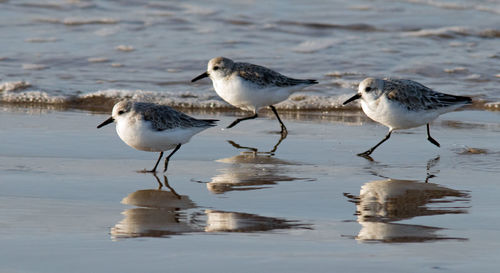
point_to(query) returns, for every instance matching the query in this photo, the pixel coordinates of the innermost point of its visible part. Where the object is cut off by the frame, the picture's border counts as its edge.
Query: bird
(403, 104)
(251, 87)
(154, 128)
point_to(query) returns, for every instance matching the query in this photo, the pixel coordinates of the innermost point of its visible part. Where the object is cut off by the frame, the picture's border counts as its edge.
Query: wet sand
(71, 201)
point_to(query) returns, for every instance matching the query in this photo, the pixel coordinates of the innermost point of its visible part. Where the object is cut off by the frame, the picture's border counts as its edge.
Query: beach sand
(72, 201)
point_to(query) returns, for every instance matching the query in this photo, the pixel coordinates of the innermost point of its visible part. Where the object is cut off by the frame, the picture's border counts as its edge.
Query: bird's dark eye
(368, 89)
(216, 67)
(121, 112)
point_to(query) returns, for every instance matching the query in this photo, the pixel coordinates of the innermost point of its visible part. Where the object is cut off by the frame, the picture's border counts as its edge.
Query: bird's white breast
(140, 135)
(395, 116)
(248, 96)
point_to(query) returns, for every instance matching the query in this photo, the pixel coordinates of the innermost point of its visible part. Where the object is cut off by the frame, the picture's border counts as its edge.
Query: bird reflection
(161, 213)
(250, 170)
(398, 233)
(382, 202)
(167, 185)
(394, 200)
(221, 221)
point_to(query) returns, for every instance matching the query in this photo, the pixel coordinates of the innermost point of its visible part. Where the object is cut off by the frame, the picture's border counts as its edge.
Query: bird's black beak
(204, 75)
(106, 122)
(355, 97)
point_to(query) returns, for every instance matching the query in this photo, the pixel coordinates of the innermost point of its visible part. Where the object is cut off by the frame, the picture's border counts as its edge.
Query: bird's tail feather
(211, 121)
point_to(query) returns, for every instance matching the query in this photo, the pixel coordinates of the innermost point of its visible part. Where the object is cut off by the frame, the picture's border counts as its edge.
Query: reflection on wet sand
(221, 221)
(398, 233)
(251, 177)
(382, 202)
(251, 170)
(160, 214)
(163, 213)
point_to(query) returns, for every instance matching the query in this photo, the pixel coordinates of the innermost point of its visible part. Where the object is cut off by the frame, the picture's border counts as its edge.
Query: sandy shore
(71, 201)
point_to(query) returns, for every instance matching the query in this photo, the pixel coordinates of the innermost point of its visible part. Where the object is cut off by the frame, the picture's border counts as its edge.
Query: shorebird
(251, 87)
(403, 104)
(154, 128)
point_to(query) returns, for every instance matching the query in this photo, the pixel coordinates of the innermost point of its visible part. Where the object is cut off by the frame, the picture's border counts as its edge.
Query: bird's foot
(147, 171)
(366, 155)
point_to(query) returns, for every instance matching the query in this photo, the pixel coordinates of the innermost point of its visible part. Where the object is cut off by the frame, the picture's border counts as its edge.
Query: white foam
(98, 60)
(454, 32)
(88, 21)
(458, 69)
(305, 102)
(32, 97)
(442, 4)
(34, 66)
(75, 21)
(312, 46)
(493, 8)
(461, 44)
(125, 48)
(107, 31)
(361, 7)
(41, 40)
(12, 86)
(492, 105)
(473, 77)
(346, 84)
(10, 92)
(177, 99)
(340, 74)
(490, 9)
(198, 10)
(444, 32)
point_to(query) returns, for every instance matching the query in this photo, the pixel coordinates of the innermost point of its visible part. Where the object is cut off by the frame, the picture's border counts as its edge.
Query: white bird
(251, 87)
(154, 128)
(403, 104)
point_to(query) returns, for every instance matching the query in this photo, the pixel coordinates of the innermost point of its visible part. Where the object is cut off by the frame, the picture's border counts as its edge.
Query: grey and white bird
(154, 128)
(402, 104)
(251, 87)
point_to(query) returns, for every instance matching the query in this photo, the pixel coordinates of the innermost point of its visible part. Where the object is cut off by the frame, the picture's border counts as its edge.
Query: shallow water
(81, 53)
(71, 200)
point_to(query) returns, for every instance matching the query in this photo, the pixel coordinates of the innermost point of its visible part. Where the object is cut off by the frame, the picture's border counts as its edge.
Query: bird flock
(395, 103)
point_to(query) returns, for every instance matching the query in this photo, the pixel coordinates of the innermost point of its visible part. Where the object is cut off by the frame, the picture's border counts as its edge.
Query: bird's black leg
(170, 155)
(430, 139)
(367, 153)
(156, 165)
(239, 120)
(284, 131)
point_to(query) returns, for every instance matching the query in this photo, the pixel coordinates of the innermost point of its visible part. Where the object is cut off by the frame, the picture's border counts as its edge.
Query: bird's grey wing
(163, 118)
(416, 96)
(263, 76)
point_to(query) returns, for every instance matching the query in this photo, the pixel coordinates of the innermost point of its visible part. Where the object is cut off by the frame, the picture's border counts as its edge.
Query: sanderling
(154, 128)
(403, 104)
(251, 87)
